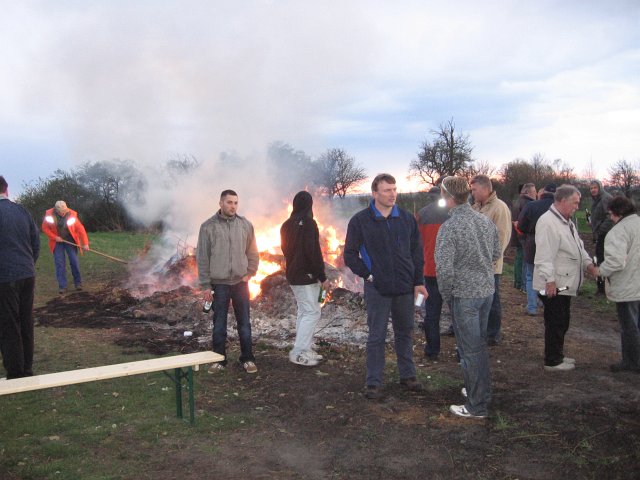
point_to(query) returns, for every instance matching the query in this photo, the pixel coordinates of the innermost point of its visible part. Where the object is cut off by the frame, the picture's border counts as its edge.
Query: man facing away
(383, 247)
(527, 194)
(467, 246)
(19, 250)
(300, 242)
(430, 218)
(488, 204)
(622, 268)
(227, 257)
(66, 236)
(559, 264)
(600, 224)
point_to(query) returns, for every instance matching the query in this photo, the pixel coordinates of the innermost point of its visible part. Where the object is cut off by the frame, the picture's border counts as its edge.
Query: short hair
(3, 185)
(456, 188)
(565, 191)
(382, 177)
(621, 206)
(482, 180)
(527, 186)
(227, 192)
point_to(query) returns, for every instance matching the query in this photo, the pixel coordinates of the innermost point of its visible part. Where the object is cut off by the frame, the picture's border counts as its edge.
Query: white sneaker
(461, 411)
(569, 360)
(313, 354)
(216, 368)
(561, 367)
(303, 359)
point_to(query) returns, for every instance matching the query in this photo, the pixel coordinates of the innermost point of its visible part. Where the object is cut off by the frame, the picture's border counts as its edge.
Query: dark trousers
(629, 318)
(518, 269)
(16, 327)
(432, 313)
(557, 314)
(238, 296)
(495, 314)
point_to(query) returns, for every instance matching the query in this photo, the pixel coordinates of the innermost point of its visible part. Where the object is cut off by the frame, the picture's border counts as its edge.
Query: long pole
(99, 253)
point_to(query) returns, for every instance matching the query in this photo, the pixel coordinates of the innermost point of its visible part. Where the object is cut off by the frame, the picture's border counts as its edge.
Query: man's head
(566, 200)
(529, 189)
(595, 187)
(61, 208)
(455, 190)
(4, 186)
(481, 188)
(384, 190)
(619, 207)
(228, 203)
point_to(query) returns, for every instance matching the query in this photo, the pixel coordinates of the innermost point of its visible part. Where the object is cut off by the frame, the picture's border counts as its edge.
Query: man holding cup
(383, 246)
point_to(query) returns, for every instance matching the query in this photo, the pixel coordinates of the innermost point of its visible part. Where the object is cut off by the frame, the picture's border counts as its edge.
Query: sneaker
(314, 355)
(373, 392)
(464, 392)
(250, 367)
(62, 291)
(461, 411)
(216, 368)
(569, 360)
(79, 288)
(412, 384)
(532, 314)
(561, 367)
(303, 359)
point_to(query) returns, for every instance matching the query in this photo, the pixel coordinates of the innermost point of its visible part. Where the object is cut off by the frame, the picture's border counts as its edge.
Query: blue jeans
(61, 264)
(532, 295)
(402, 310)
(238, 295)
(470, 317)
(629, 318)
(432, 312)
(495, 314)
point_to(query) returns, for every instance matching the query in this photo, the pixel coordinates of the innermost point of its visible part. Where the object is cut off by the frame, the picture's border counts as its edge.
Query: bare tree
(338, 173)
(481, 167)
(448, 153)
(624, 175)
(181, 164)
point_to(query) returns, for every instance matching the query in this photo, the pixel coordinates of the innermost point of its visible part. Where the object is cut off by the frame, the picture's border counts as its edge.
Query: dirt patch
(315, 423)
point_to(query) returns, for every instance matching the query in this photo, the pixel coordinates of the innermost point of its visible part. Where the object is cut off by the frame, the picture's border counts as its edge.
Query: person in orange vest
(61, 225)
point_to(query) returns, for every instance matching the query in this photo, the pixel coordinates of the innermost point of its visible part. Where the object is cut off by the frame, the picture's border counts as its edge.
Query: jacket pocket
(566, 271)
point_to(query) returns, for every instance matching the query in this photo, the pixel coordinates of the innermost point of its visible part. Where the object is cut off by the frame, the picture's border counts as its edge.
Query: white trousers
(308, 315)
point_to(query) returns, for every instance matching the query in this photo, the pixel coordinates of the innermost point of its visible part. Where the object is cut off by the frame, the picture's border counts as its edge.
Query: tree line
(100, 191)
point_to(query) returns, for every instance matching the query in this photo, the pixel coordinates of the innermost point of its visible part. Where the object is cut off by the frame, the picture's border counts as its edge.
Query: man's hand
(58, 239)
(206, 295)
(326, 284)
(593, 271)
(86, 247)
(246, 278)
(420, 289)
(550, 289)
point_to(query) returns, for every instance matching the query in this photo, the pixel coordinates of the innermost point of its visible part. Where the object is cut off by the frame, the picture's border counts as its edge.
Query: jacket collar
(395, 212)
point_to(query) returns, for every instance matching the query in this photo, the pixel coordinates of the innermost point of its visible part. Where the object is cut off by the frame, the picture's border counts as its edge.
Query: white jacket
(622, 260)
(560, 254)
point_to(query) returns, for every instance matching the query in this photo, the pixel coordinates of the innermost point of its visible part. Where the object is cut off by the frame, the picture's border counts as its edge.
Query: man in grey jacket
(622, 267)
(467, 247)
(227, 257)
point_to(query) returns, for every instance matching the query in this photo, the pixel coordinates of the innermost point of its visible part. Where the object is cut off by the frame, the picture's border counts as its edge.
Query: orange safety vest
(76, 229)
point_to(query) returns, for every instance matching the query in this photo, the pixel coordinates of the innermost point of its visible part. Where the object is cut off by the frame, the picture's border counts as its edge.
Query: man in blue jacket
(19, 250)
(383, 246)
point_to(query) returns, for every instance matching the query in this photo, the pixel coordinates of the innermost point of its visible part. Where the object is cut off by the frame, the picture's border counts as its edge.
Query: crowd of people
(451, 253)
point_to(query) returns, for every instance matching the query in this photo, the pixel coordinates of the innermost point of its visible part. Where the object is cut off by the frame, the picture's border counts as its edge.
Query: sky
(146, 80)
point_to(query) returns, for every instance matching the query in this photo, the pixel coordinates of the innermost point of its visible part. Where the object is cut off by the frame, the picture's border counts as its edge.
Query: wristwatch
(369, 278)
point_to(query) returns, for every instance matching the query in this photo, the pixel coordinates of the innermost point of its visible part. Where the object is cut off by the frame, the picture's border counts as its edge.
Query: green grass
(95, 269)
(107, 429)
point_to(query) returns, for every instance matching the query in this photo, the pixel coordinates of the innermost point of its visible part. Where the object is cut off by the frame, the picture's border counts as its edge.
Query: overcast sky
(143, 80)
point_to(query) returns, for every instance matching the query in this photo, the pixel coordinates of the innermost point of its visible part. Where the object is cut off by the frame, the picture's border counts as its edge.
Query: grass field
(107, 429)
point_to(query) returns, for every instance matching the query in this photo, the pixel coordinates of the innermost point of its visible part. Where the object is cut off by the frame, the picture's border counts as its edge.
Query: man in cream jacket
(560, 263)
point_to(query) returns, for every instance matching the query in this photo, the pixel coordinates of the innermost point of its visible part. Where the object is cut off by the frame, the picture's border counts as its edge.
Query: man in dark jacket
(527, 220)
(300, 242)
(600, 223)
(383, 247)
(19, 250)
(430, 218)
(527, 194)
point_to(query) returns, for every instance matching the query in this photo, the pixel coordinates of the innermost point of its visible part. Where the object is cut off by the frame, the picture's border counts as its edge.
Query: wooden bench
(182, 366)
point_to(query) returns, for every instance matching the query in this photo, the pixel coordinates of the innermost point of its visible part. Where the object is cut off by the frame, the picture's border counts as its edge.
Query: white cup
(188, 333)
(419, 300)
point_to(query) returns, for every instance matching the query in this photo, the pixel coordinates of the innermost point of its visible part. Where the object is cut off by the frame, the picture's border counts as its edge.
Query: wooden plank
(50, 380)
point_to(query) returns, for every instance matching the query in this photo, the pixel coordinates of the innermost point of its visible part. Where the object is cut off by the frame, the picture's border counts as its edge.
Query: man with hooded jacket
(600, 223)
(300, 242)
(66, 236)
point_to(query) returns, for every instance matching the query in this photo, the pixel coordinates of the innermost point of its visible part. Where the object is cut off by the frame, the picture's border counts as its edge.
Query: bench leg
(178, 381)
(179, 375)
